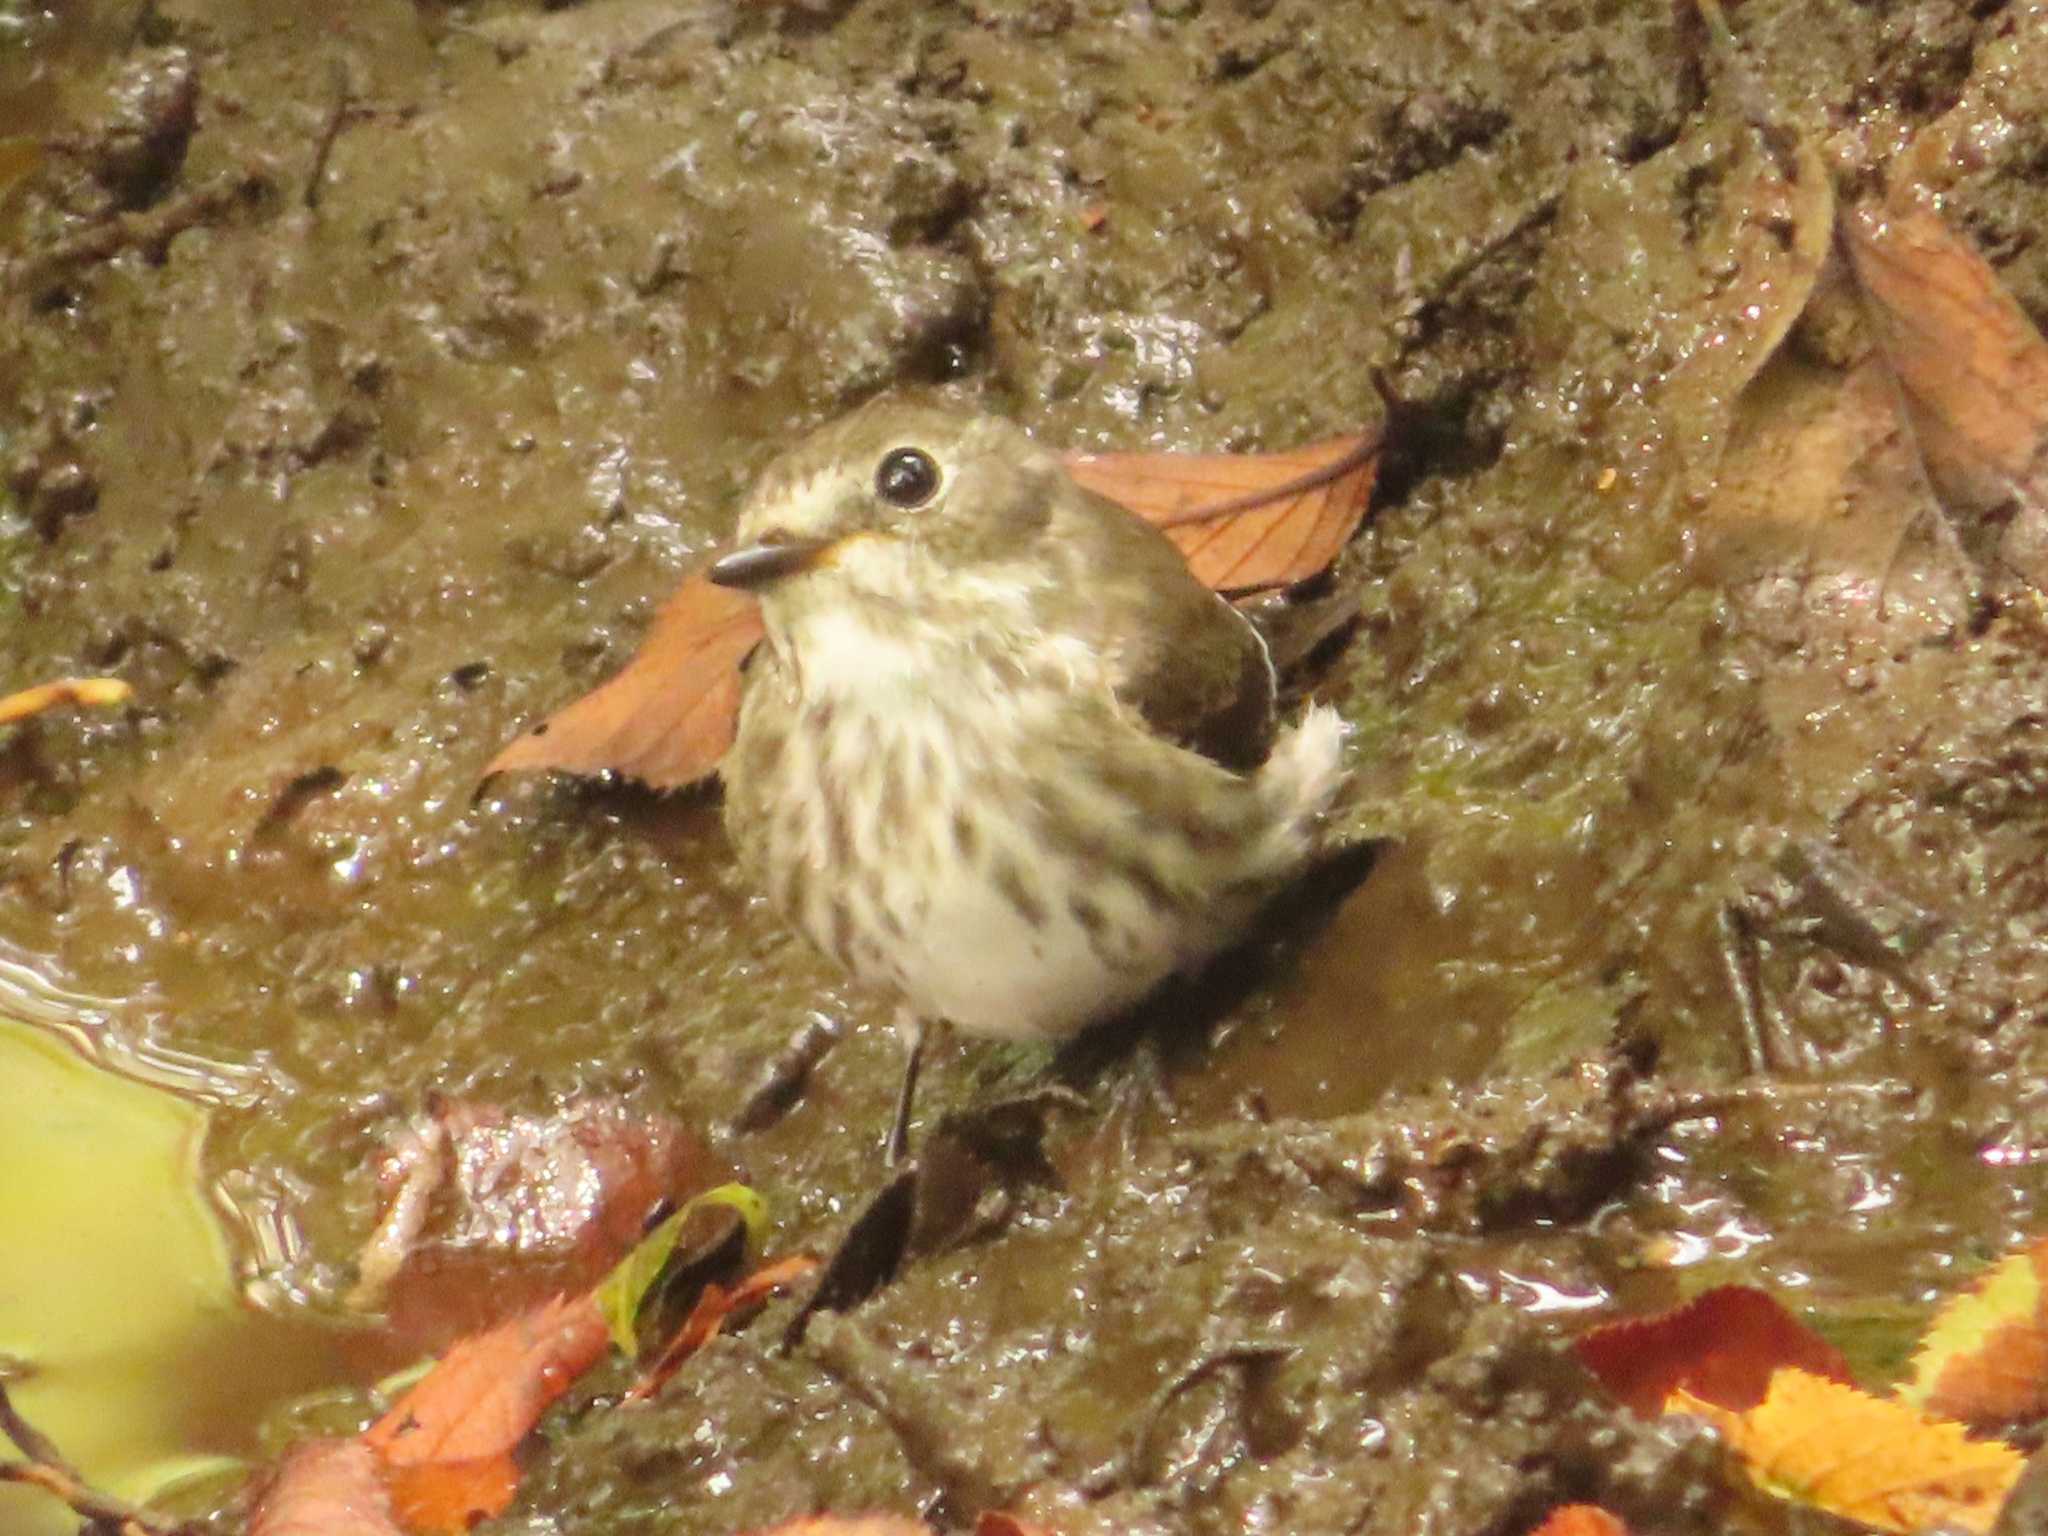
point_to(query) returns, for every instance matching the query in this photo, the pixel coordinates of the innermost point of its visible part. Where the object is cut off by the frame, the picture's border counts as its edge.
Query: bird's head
(884, 505)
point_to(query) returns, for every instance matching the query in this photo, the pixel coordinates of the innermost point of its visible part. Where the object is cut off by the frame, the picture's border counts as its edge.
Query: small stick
(47, 1469)
(338, 119)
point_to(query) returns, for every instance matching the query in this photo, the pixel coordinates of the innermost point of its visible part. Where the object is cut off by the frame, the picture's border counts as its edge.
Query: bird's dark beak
(761, 565)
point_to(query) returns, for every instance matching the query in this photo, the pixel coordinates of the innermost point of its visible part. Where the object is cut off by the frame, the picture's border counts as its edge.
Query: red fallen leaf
(326, 1488)
(1722, 1347)
(489, 1212)
(668, 715)
(447, 1444)
(1579, 1520)
(713, 1307)
(1244, 522)
(1973, 371)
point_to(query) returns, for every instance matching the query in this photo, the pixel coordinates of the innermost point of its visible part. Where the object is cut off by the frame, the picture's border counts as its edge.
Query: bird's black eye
(907, 477)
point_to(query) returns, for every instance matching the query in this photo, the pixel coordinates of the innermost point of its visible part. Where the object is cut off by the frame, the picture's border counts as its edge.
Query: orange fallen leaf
(1984, 1358)
(82, 691)
(447, 1444)
(1244, 522)
(1973, 371)
(446, 1498)
(668, 715)
(1581, 1520)
(714, 1305)
(326, 1488)
(1830, 1446)
(1722, 1347)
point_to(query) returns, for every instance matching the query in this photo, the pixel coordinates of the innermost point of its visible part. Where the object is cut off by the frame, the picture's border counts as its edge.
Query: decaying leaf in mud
(486, 1212)
(1821, 520)
(1722, 1347)
(1972, 370)
(1245, 522)
(1871, 1459)
(326, 1488)
(447, 1444)
(90, 692)
(1984, 1358)
(1766, 234)
(1581, 1520)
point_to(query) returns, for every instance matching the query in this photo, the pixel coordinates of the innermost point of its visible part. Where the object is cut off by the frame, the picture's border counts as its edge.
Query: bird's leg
(913, 1030)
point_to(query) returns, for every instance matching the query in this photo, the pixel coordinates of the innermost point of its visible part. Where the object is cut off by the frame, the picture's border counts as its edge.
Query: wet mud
(370, 377)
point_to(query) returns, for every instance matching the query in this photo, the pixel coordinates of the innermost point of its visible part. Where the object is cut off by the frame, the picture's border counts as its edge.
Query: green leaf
(752, 1208)
(622, 1293)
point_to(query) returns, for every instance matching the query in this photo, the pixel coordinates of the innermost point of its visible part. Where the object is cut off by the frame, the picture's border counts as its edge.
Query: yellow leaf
(1871, 1459)
(1984, 1358)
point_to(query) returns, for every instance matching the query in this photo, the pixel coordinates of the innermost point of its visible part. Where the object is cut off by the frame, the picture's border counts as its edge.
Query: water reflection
(119, 1316)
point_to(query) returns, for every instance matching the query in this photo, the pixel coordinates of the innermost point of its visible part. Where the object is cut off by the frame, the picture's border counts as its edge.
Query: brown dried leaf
(1973, 371)
(1822, 522)
(1245, 521)
(667, 717)
(326, 1488)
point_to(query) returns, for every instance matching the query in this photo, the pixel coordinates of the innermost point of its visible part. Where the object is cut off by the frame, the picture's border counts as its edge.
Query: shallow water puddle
(119, 1323)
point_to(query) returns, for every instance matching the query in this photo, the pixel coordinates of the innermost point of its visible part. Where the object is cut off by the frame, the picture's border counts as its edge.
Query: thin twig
(88, 1503)
(338, 118)
(47, 1469)
(29, 1440)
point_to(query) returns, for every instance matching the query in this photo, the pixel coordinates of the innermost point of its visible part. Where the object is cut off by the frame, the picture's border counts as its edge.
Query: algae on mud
(351, 491)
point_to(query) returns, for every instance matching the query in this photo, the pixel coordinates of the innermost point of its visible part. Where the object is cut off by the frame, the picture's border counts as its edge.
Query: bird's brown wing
(1190, 664)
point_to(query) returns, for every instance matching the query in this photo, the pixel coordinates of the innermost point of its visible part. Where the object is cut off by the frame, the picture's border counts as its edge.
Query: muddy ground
(371, 373)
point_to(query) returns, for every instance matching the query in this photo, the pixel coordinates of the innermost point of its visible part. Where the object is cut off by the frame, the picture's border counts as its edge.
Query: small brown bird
(1001, 752)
